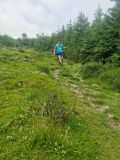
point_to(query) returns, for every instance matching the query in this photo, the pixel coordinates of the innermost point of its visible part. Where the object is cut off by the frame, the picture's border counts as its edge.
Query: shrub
(112, 77)
(56, 109)
(114, 60)
(107, 73)
(91, 69)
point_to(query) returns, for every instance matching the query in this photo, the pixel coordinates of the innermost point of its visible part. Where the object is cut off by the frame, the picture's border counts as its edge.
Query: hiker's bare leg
(60, 59)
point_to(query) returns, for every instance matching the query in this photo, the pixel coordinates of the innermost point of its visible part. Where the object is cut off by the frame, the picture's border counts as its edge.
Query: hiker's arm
(64, 47)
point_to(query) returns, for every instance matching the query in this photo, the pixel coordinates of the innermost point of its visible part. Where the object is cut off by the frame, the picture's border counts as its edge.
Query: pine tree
(81, 31)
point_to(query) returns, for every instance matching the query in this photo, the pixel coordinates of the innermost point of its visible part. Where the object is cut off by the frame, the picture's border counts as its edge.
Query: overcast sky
(37, 16)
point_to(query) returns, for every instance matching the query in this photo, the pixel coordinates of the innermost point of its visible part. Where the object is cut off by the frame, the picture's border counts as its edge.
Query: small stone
(27, 60)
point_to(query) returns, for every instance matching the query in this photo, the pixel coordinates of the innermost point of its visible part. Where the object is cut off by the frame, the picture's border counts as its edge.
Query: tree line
(86, 41)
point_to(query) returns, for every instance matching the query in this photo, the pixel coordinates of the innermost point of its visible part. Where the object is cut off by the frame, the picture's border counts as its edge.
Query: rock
(17, 58)
(44, 74)
(73, 85)
(20, 84)
(110, 116)
(27, 60)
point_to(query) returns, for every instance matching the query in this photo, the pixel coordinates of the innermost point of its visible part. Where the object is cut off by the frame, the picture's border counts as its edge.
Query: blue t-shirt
(59, 49)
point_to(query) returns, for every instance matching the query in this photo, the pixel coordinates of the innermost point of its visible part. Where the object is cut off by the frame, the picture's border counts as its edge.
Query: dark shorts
(60, 53)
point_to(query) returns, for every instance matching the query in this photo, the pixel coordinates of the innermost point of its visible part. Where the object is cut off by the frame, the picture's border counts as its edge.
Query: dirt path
(91, 101)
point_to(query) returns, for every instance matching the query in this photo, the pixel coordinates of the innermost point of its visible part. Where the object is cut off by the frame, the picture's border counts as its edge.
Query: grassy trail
(48, 112)
(97, 96)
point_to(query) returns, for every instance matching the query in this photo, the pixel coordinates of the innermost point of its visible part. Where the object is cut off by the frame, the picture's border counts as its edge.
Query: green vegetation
(96, 42)
(107, 73)
(49, 112)
(62, 112)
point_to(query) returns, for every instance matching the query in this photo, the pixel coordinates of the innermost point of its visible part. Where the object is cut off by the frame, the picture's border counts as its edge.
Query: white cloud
(36, 16)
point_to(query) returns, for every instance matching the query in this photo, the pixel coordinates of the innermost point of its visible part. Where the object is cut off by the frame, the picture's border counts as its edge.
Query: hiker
(58, 50)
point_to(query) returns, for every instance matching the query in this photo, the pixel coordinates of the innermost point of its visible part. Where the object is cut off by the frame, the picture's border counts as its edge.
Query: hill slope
(49, 112)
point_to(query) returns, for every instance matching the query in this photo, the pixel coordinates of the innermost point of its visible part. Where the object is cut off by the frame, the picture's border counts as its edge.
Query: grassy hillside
(48, 112)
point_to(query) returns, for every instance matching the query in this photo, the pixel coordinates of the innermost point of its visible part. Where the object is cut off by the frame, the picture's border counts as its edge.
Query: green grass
(41, 117)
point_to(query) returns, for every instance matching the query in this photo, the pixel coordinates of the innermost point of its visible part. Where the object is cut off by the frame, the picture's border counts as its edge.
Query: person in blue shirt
(58, 50)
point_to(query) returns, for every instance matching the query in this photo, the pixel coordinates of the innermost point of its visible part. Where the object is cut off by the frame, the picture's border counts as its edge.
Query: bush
(114, 60)
(56, 109)
(73, 55)
(91, 69)
(112, 77)
(107, 73)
